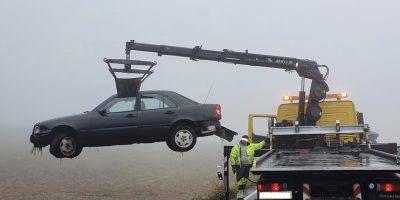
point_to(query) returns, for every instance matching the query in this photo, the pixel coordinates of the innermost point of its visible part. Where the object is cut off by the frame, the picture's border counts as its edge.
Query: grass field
(140, 171)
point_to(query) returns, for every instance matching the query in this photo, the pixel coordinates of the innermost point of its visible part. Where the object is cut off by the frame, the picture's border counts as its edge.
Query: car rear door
(156, 114)
(116, 123)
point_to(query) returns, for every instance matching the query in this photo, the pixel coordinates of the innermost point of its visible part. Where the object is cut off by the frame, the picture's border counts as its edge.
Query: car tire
(169, 144)
(65, 145)
(182, 139)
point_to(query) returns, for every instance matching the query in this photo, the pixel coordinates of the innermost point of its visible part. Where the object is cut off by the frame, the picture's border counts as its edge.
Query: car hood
(66, 120)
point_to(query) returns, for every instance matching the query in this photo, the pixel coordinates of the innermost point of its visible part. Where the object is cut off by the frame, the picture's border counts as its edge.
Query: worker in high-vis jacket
(241, 159)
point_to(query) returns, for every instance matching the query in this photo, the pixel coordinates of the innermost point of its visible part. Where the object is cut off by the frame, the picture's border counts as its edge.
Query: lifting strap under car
(129, 87)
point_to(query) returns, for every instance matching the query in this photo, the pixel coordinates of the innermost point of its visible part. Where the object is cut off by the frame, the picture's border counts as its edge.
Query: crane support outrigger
(305, 69)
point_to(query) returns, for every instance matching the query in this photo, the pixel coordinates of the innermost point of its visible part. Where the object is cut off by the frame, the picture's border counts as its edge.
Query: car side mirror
(103, 112)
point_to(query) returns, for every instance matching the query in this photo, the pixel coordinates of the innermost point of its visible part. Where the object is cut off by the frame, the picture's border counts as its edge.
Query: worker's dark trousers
(242, 174)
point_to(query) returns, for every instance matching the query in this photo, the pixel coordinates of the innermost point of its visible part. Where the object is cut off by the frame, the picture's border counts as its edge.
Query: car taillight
(388, 187)
(271, 187)
(218, 111)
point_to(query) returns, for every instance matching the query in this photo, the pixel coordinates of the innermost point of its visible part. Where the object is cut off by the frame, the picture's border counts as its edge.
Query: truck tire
(65, 145)
(182, 139)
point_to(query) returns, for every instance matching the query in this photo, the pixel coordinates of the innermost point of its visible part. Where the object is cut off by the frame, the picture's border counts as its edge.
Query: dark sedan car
(152, 116)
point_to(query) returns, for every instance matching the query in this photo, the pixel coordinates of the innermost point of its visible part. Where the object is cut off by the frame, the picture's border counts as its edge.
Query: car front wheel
(182, 139)
(65, 146)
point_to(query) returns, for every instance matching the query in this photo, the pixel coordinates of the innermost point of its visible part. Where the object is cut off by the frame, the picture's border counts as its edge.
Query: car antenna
(209, 90)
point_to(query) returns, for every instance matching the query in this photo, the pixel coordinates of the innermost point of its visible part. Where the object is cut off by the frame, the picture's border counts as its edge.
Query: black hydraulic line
(302, 103)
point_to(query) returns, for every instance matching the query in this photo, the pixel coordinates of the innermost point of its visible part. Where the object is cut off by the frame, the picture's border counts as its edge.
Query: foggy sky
(51, 54)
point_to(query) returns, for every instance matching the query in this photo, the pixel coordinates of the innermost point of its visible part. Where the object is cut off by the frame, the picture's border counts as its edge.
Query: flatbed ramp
(250, 194)
(319, 160)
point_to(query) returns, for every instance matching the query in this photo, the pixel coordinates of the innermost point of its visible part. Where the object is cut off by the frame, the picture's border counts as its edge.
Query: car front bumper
(40, 140)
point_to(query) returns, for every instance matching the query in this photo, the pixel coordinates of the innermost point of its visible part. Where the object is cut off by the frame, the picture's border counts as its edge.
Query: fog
(51, 65)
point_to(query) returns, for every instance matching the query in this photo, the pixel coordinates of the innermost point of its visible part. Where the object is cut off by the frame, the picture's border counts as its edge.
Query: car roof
(178, 98)
(153, 91)
(182, 100)
(158, 91)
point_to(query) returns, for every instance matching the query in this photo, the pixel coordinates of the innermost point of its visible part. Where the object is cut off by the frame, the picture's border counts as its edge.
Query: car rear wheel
(182, 139)
(65, 146)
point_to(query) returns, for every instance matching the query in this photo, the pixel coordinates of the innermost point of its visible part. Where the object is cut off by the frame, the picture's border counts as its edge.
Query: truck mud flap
(226, 133)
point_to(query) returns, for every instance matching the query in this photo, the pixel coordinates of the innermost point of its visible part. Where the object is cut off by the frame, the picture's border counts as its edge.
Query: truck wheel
(182, 139)
(65, 146)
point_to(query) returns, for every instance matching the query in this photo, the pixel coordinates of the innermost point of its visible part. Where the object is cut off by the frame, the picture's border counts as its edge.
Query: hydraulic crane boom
(305, 68)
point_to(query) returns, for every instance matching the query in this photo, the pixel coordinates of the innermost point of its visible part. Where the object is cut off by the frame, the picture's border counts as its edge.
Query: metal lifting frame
(305, 68)
(129, 87)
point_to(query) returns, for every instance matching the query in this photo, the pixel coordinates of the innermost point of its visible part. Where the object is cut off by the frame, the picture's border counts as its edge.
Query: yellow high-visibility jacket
(234, 158)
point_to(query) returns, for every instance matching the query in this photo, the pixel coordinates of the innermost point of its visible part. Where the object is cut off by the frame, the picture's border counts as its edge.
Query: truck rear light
(273, 190)
(272, 187)
(261, 187)
(388, 187)
(275, 187)
(218, 111)
(338, 96)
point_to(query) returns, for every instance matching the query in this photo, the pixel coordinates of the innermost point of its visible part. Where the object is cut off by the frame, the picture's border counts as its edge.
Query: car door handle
(169, 112)
(130, 116)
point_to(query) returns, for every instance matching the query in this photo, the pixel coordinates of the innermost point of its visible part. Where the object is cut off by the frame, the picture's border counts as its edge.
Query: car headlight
(36, 130)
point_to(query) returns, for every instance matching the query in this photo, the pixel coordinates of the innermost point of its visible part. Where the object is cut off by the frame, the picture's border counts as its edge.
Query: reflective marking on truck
(306, 191)
(357, 191)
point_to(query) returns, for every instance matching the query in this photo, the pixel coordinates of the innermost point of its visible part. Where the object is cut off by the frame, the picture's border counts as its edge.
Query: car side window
(168, 103)
(121, 105)
(155, 101)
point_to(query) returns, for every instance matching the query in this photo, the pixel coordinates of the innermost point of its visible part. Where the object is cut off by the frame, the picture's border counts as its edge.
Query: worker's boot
(240, 194)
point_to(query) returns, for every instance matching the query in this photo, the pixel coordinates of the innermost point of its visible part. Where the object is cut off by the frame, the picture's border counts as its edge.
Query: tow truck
(339, 158)
(318, 148)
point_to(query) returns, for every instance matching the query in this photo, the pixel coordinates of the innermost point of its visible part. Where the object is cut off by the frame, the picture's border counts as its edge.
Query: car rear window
(186, 100)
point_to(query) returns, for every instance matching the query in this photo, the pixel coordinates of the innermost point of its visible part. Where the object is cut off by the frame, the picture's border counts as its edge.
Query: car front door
(156, 114)
(116, 122)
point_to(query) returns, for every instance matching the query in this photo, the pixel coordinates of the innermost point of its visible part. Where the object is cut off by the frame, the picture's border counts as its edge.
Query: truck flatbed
(322, 160)
(311, 162)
